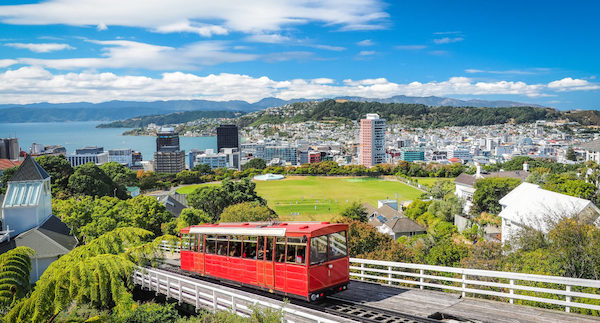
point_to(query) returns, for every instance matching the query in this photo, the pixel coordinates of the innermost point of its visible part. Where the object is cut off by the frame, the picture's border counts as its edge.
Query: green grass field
(320, 198)
(428, 181)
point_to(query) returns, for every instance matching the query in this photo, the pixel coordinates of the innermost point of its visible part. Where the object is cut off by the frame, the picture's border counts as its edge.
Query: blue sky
(543, 52)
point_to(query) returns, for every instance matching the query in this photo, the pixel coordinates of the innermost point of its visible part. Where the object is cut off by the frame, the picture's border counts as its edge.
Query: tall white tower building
(372, 140)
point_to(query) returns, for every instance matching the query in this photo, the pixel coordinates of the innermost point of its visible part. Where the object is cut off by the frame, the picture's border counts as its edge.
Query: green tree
(247, 212)
(7, 174)
(89, 179)
(191, 216)
(152, 313)
(416, 209)
(255, 163)
(446, 209)
(440, 188)
(489, 191)
(214, 199)
(202, 169)
(571, 154)
(15, 268)
(446, 253)
(59, 169)
(120, 174)
(356, 212)
(188, 177)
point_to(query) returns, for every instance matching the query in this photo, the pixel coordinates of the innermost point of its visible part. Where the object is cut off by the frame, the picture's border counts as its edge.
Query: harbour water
(73, 135)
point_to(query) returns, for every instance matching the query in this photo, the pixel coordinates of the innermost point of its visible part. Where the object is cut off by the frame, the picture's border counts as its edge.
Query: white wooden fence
(206, 296)
(499, 284)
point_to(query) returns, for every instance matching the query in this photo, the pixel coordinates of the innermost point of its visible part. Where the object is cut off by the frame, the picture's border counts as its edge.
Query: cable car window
(337, 245)
(280, 250)
(200, 244)
(249, 247)
(296, 251)
(210, 244)
(318, 250)
(261, 248)
(235, 246)
(185, 241)
(269, 253)
(222, 245)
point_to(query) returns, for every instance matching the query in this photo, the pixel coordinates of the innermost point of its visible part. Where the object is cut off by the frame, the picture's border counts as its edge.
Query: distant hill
(119, 110)
(171, 118)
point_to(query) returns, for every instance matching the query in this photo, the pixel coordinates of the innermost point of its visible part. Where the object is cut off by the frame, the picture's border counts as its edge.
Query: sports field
(320, 198)
(429, 181)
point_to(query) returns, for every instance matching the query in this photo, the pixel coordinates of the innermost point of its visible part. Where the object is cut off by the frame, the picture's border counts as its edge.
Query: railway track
(346, 310)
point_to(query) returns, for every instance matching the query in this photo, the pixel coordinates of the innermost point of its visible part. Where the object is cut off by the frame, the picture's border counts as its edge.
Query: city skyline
(535, 52)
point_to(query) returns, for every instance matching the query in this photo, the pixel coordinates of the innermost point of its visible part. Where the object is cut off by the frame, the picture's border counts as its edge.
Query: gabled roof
(7, 163)
(470, 180)
(465, 179)
(530, 205)
(395, 220)
(29, 171)
(51, 239)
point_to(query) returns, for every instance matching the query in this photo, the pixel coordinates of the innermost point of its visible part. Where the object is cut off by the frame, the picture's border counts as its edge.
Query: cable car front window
(185, 241)
(337, 245)
(318, 250)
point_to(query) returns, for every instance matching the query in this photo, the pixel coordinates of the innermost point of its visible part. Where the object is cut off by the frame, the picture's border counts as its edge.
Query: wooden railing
(561, 291)
(209, 297)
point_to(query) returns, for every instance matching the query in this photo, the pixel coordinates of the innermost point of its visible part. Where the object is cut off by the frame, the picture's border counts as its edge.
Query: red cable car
(306, 260)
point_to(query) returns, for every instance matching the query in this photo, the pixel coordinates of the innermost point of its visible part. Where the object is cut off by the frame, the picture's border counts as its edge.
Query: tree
(356, 212)
(255, 163)
(188, 177)
(570, 155)
(440, 188)
(15, 268)
(59, 169)
(489, 191)
(191, 216)
(98, 273)
(247, 212)
(446, 209)
(89, 179)
(119, 174)
(446, 253)
(214, 199)
(202, 169)
(416, 208)
(7, 174)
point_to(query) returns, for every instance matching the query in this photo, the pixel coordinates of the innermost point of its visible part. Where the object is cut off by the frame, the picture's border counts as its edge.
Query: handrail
(499, 284)
(469, 281)
(201, 294)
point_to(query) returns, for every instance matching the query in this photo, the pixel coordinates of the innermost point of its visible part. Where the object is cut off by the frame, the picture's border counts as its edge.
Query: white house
(27, 218)
(530, 206)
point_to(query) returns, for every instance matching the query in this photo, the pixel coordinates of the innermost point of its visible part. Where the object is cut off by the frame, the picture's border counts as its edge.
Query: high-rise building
(227, 136)
(85, 155)
(9, 148)
(412, 154)
(121, 156)
(168, 158)
(372, 140)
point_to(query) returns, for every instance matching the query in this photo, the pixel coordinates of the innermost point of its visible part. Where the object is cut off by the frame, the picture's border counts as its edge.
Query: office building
(168, 158)
(41, 150)
(412, 154)
(121, 156)
(286, 153)
(9, 148)
(192, 157)
(372, 140)
(85, 155)
(227, 136)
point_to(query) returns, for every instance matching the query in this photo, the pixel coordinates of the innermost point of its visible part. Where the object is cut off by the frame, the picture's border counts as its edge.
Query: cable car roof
(270, 229)
(268, 232)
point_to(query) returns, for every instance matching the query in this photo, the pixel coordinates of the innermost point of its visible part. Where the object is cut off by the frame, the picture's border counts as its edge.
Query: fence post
(421, 279)
(389, 275)
(168, 287)
(214, 300)
(568, 299)
(196, 297)
(180, 290)
(512, 291)
(464, 286)
(233, 307)
(362, 271)
(157, 284)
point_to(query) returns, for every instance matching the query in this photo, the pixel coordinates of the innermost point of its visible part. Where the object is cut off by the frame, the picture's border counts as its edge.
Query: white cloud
(268, 38)
(7, 62)
(131, 54)
(40, 48)
(329, 47)
(205, 30)
(366, 42)
(410, 47)
(36, 84)
(514, 72)
(448, 40)
(366, 52)
(101, 26)
(447, 32)
(184, 15)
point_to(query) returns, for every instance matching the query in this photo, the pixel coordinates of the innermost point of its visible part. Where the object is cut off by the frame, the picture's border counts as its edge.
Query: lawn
(429, 181)
(321, 198)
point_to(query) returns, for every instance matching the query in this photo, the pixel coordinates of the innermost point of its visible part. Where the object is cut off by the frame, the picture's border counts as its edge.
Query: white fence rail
(208, 297)
(561, 291)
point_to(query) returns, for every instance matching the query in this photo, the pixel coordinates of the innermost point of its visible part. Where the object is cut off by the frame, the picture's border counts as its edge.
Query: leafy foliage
(247, 212)
(59, 169)
(488, 191)
(255, 163)
(121, 175)
(15, 267)
(90, 180)
(356, 212)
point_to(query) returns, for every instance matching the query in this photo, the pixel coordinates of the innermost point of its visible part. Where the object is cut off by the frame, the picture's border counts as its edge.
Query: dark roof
(171, 204)
(58, 231)
(593, 145)
(393, 219)
(404, 224)
(466, 179)
(29, 171)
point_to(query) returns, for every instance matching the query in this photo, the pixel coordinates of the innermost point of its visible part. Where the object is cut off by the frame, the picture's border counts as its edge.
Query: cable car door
(268, 265)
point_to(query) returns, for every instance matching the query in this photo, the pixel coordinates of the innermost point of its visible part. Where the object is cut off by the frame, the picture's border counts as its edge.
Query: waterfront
(73, 135)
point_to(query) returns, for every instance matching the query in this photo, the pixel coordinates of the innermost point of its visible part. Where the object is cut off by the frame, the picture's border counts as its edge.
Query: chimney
(478, 172)
(525, 166)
